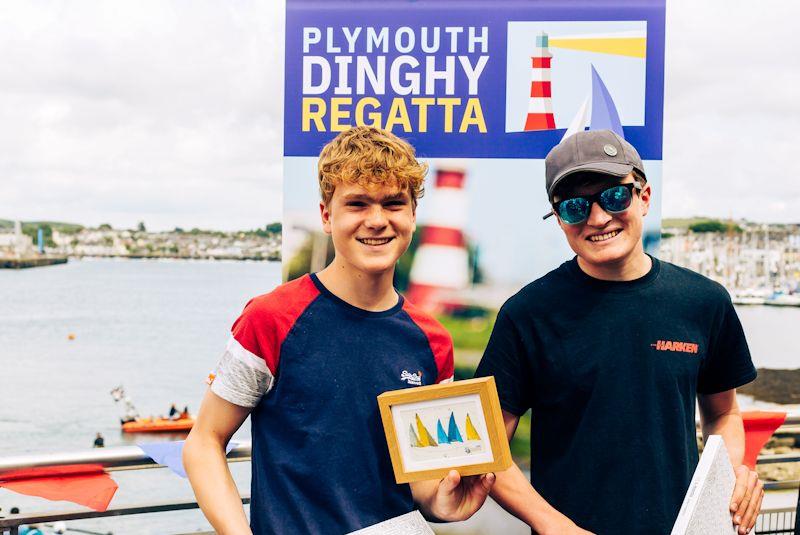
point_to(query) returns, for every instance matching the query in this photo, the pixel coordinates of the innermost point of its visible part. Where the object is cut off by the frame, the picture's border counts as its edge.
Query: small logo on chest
(412, 378)
(670, 345)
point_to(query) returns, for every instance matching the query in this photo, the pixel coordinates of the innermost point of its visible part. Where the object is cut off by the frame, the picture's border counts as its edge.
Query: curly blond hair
(369, 156)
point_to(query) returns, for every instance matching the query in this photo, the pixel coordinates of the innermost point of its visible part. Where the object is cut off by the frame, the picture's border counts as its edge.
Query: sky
(171, 112)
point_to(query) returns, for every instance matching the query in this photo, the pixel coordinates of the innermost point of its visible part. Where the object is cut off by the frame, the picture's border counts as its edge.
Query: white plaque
(408, 524)
(706, 506)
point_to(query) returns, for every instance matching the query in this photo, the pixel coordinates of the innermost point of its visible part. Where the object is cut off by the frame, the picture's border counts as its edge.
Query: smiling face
(370, 227)
(608, 240)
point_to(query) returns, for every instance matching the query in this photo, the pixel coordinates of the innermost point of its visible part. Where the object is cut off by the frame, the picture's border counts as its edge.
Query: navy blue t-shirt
(611, 371)
(311, 366)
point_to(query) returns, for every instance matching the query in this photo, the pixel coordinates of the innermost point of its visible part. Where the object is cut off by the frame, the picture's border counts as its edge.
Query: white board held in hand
(706, 506)
(408, 524)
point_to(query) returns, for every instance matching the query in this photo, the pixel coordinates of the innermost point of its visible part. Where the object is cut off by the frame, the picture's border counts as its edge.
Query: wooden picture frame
(472, 444)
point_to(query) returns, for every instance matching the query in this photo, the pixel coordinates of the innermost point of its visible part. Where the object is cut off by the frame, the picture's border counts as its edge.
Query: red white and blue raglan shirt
(311, 366)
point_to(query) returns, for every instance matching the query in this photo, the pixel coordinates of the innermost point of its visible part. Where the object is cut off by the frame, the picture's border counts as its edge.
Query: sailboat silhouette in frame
(451, 442)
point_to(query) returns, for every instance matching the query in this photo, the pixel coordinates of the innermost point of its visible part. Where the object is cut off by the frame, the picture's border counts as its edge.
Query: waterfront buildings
(105, 241)
(14, 244)
(752, 260)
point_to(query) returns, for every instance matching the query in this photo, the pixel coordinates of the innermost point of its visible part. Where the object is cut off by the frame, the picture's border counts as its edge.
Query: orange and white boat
(156, 425)
(133, 423)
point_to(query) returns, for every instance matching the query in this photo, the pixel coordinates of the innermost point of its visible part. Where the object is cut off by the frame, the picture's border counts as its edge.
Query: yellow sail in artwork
(472, 433)
(425, 438)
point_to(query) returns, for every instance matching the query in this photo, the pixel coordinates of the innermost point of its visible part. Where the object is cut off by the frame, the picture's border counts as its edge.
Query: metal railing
(773, 521)
(112, 460)
(778, 522)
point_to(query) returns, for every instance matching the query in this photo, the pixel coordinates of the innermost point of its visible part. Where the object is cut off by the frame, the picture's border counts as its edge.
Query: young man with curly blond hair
(308, 360)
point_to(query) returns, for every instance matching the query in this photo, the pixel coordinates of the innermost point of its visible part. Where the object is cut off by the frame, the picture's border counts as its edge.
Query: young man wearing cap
(307, 361)
(610, 351)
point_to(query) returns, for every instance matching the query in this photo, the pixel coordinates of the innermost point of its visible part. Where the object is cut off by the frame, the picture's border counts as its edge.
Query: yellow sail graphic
(472, 433)
(425, 438)
(635, 47)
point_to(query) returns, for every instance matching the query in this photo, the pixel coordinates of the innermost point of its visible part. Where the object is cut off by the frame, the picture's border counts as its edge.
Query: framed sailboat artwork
(431, 430)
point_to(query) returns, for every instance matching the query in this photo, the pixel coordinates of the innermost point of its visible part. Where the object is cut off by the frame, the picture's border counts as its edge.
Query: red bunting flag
(84, 484)
(758, 428)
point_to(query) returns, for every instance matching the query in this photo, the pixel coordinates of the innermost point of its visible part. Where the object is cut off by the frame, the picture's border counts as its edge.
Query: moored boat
(133, 423)
(156, 425)
(784, 300)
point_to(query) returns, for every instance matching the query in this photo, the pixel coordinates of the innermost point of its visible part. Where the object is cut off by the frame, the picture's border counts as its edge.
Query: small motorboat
(133, 423)
(156, 425)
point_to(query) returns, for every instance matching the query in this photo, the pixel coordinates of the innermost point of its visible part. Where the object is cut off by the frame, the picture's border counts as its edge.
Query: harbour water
(772, 335)
(157, 327)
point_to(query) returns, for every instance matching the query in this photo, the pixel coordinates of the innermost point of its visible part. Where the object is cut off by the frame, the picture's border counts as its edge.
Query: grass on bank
(521, 443)
(471, 334)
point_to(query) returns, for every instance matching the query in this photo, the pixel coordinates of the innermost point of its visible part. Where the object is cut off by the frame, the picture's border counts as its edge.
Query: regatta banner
(482, 89)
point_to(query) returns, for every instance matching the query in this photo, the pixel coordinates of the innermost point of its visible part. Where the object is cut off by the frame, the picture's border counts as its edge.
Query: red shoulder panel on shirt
(439, 339)
(267, 319)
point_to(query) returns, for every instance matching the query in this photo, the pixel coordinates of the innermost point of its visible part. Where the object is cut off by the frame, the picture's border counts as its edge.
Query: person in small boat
(185, 413)
(307, 361)
(99, 441)
(173, 412)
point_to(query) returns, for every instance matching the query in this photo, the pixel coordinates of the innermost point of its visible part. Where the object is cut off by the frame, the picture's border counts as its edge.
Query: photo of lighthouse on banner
(482, 96)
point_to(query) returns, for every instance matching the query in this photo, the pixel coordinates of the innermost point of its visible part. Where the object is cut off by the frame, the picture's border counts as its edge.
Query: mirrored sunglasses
(613, 200)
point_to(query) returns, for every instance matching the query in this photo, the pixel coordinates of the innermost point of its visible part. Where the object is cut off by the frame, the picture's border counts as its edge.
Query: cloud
(731, 110)
(169, 112)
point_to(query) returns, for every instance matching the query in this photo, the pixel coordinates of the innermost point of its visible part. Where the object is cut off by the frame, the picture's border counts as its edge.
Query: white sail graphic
(580, 120)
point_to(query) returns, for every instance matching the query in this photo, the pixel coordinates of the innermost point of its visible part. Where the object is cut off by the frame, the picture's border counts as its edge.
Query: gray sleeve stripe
(241, 377)
(219, 388)
(238, 351)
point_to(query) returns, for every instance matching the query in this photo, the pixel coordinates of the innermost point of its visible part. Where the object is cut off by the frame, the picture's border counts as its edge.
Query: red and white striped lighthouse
(540, 105)
(441, 262)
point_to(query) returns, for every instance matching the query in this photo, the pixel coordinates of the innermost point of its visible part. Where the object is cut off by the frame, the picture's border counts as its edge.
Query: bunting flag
(83, 484)
(758, 428)
(170, 454)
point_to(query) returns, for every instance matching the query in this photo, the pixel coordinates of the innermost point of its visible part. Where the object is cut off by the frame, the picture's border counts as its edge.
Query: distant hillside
(701, 225)
(682, 223)
(60, 226)
(72, 228)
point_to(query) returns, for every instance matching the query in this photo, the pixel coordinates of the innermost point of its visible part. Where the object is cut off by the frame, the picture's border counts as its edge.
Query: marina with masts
(759, 263)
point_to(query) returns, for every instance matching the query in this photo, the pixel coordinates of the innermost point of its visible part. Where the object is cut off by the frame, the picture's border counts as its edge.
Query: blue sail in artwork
(453, 435)
(441, 435)
(604, 112)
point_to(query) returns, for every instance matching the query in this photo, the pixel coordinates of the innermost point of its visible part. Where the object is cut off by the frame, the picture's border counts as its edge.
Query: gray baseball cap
(597, 151)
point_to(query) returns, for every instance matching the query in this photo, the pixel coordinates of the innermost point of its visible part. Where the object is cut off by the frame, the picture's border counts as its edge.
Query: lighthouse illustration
(540, 107)
(441, 261)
